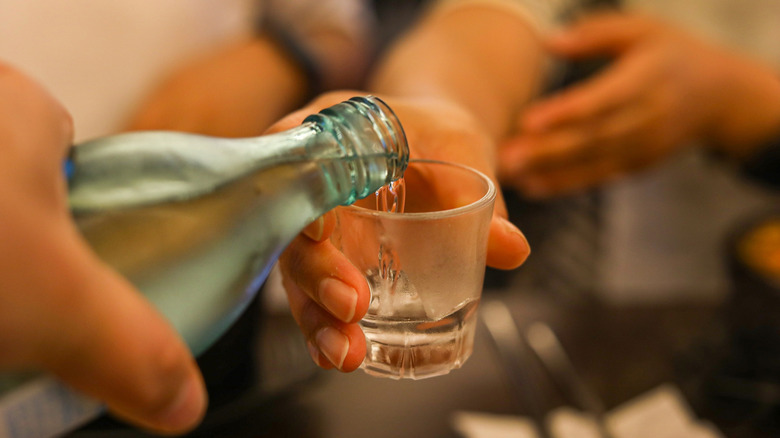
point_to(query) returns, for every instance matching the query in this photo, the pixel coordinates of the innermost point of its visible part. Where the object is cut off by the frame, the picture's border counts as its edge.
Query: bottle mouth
(384, 123)
(389, 131)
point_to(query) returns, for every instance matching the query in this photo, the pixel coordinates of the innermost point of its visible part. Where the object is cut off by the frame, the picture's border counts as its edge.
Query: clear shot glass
(425, 268)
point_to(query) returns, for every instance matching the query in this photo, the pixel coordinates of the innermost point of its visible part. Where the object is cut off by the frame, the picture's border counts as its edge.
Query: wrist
(492, 75)
(747, 116)
(330, 40)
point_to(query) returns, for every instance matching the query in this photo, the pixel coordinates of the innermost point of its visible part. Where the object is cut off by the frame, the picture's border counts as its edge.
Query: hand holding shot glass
(425, 267)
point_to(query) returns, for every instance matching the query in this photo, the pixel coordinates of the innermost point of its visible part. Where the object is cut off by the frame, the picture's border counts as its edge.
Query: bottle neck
(361, 146)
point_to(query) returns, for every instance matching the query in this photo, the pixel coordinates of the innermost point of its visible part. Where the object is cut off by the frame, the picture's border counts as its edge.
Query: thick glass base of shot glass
(405, 348)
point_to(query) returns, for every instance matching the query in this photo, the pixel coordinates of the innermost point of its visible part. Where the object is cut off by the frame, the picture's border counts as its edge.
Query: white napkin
(659, 413)
(482, 425)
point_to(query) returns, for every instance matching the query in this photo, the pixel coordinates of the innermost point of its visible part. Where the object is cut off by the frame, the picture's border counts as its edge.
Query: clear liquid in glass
(403, 339)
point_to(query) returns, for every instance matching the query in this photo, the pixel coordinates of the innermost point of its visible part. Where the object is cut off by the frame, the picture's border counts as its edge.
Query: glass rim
(488, 197)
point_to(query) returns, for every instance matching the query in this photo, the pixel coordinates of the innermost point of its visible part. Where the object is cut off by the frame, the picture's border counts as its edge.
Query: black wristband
(764, 166)
(298, 53)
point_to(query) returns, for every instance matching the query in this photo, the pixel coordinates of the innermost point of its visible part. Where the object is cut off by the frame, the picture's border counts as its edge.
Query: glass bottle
(196, 222)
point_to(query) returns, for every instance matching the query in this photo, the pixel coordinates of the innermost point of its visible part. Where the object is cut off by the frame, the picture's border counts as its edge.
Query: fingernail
(333, 344)
(313, 352)
(339, 298)
(315, 229)
(509, 227)
(188, 407)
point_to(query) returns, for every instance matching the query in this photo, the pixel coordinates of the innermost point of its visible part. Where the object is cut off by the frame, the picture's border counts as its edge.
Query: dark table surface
(620, 351)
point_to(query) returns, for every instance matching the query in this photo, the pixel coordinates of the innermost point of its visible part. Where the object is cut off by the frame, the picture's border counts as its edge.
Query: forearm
(479, 56)
(236, 91)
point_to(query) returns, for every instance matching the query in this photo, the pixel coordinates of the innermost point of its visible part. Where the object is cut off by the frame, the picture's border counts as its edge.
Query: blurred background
(678, 280)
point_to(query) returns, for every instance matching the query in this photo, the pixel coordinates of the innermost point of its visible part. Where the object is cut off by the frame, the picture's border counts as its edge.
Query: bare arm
(480, 55)
(301, 47)
(237, 91)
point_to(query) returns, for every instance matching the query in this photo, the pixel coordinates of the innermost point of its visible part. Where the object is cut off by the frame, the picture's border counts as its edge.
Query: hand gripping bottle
(196, 222)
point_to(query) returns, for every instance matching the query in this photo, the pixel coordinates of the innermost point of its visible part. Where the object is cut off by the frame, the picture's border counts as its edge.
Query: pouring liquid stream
(391, 197)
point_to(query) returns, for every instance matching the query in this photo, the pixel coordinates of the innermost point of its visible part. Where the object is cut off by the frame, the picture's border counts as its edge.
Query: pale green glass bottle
(195, 222)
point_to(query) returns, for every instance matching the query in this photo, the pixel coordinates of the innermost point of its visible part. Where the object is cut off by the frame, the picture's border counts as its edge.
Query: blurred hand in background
(662, 90)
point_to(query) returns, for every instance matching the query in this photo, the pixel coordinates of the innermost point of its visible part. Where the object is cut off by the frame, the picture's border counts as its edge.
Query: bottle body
(201, 260)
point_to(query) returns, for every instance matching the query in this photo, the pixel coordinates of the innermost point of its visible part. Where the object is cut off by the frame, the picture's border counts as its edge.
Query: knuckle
(293, 258)
(312, 317)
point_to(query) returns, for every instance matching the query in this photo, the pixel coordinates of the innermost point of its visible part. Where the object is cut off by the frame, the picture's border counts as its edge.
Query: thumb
(602, 34)
(507, 245)
(105, 340)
